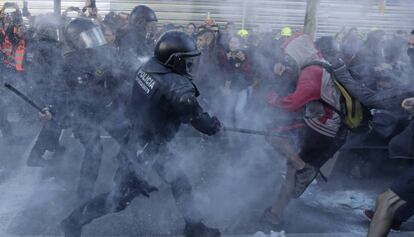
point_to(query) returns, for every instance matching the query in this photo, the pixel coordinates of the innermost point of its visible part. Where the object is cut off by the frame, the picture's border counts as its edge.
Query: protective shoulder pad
(187, 107)
(187, 100)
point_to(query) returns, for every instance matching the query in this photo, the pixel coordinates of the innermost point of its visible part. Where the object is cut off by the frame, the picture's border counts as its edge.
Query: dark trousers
(47, 140)
(89, 135)
(316, 149)
(88, 131)
(129, 185)
(403, 213)
(402, 145)
(5, 126)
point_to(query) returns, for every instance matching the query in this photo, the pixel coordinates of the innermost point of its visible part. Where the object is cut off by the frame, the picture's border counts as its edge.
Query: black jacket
(88, 75)
(162, 100)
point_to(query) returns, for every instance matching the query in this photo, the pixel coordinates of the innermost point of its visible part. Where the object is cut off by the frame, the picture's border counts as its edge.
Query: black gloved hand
(206, 124)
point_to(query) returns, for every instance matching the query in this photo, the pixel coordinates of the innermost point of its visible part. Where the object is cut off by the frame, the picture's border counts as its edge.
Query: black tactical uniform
(5, 126)
(163, 98)
(44, 70)
(135, 41)
(44, 58)
(95, 100)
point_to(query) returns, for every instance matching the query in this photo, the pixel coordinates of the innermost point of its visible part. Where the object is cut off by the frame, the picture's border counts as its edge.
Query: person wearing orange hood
(322, 132)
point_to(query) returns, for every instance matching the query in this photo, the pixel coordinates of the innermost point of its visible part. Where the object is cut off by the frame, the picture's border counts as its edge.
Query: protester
(323, 132)
(238, 75)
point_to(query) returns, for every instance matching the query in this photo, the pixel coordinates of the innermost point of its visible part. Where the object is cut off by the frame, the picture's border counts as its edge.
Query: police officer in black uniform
(163, 98)
(95, 96)
(44, 70)
(136, 39)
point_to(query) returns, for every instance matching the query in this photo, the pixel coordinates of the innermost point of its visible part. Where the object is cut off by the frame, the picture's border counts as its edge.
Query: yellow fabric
(286, 31)
(354, 111)
(243, 33)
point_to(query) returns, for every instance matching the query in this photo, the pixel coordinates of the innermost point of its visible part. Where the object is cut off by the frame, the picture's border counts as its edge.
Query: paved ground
(404, 234)
(232, 188)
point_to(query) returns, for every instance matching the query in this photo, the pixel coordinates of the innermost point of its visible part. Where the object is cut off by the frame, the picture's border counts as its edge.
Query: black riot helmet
(83, 33)
(176, 50)
(48, 27)
(142, 14)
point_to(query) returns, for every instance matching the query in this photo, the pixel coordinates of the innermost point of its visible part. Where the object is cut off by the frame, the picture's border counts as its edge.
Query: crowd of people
(125, 74)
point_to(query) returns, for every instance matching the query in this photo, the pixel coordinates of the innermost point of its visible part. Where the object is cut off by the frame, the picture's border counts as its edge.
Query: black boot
(71, 227)
(36, 160)
(200, 230)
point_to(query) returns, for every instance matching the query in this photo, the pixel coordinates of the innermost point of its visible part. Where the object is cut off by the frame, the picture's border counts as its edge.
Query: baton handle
(246, 131)
(253, 132)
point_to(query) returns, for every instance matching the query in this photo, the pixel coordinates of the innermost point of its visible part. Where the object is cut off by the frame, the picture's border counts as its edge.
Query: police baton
(23, 97)
(252, 132)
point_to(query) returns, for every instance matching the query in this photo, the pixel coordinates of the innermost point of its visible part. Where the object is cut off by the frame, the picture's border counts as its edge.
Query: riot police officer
(96, 97)
(136, 39)
(45, 70)
(163, 98)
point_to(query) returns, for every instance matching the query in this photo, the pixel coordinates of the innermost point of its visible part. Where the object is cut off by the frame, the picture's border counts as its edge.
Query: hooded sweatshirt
(314, 93)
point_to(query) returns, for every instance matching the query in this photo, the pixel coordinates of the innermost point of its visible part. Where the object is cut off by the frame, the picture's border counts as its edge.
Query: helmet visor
(191, 54)
(92, 38)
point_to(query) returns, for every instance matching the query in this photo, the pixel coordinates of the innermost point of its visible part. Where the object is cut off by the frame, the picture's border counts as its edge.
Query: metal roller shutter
(332, 15)
(43, 6)
(271, 13)
(367, 14)
(264, 14)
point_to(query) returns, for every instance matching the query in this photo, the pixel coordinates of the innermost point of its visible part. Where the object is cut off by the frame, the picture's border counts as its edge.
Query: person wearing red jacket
(322, 133)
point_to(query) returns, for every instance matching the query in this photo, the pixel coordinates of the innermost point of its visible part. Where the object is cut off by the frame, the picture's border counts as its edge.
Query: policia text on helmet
(176, 50)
